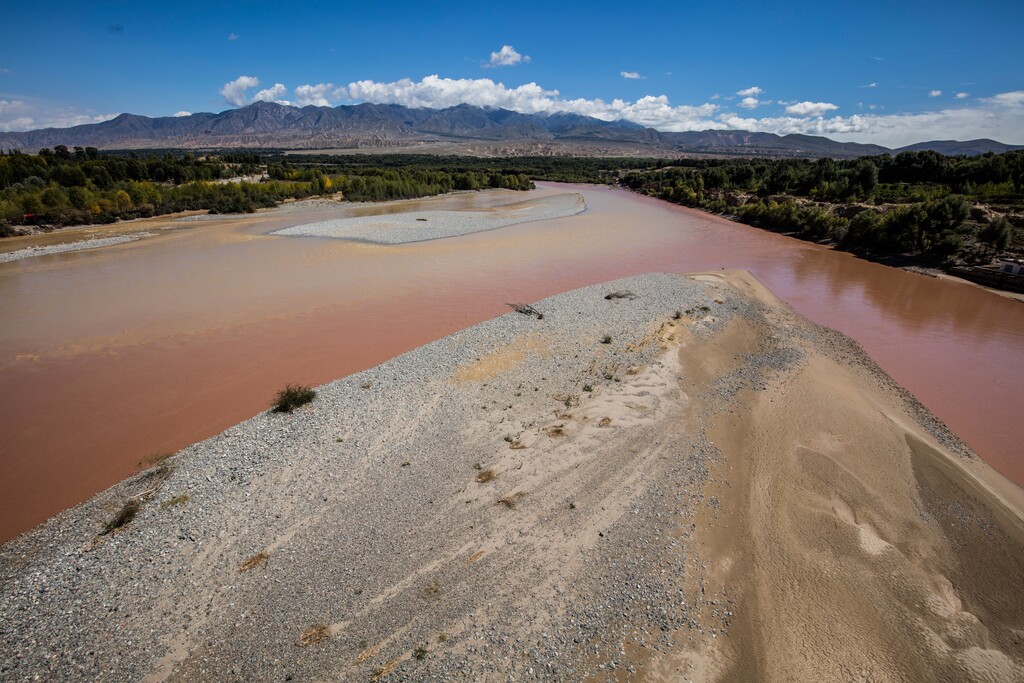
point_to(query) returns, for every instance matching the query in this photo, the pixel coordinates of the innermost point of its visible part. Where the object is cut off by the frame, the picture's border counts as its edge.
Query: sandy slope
(723, 491)
(855, 545)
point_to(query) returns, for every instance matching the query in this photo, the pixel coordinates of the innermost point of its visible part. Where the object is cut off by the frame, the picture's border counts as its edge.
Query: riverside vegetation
(62, 187)
(931, 208)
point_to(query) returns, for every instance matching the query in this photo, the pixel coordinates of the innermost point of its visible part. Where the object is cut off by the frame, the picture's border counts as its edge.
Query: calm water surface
(113, 355)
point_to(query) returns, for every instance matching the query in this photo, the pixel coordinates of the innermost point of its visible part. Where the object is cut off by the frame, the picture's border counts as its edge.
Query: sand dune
(688, 483)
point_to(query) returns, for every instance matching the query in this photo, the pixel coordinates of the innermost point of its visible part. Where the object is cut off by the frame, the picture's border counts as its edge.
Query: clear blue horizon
(889, 74)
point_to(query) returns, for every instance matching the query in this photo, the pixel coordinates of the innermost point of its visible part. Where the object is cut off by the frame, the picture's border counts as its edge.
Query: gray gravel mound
(456, 513)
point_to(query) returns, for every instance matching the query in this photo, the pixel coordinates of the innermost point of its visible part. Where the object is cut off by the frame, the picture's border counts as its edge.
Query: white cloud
(437, 93)
(233, 92)
(507, 56)
(749, 102)
(319, 95)
(810, 108)
(232, 36)
(632, 75)
(752, 91)
(872, 84)
(17, 114)
(935, 93)
(1007, 99)
(272, 94)
(181, 113)
(714, 97)
(1001, 117)
(962, 95)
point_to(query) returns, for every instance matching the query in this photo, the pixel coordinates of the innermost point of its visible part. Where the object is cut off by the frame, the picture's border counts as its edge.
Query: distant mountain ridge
(267, 124)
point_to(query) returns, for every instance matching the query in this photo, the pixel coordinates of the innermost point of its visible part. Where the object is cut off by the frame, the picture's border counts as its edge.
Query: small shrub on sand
(485, 476)
(420, 653)
(313, 635)
(291, 397)
(606, 339)
(126, 514)
(431, 590)
(253, 562)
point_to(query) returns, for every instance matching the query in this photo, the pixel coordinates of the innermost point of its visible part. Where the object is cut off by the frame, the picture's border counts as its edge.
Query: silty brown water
(114, 355)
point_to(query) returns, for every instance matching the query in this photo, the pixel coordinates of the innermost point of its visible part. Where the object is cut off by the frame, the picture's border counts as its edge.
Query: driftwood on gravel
(622, 294)
(526, 309)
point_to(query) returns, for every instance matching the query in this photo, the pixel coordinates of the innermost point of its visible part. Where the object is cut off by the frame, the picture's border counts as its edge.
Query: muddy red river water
(113, 355)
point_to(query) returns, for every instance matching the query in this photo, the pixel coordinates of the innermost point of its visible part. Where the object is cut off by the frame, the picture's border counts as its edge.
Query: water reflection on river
(113, 355)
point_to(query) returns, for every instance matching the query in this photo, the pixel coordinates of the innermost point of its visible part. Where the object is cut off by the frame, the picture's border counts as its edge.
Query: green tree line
(62, 187)
(914, 203)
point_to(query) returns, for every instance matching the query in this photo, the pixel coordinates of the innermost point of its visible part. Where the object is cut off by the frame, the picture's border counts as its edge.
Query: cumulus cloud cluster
(507, 56)
(234, 92)
(750, 99)
(1000, 116)
(810, 108)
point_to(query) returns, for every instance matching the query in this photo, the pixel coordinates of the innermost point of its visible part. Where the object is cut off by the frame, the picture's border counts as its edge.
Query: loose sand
(693, 484)
(419, 226)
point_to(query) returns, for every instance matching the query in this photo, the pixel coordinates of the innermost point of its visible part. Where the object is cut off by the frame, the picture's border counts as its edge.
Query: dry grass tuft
(517, 445)
(555, 431)
(512, 500)
(176, 501)
(313, 635)
(485, 476)
(254, 561)
(125, 515)
(431, 590)
(604, 422)
(380, 672)
(366, 654)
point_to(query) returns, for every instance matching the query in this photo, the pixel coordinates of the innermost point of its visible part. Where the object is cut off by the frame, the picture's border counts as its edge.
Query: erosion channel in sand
(685, 481)
(113, 355)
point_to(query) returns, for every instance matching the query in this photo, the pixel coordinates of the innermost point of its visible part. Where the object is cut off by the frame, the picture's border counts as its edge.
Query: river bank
(576, 495)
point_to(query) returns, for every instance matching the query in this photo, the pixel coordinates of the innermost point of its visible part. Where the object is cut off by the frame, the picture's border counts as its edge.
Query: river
(113, 355)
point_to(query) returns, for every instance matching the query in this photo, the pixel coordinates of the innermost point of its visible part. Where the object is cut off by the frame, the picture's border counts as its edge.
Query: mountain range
(461, 128)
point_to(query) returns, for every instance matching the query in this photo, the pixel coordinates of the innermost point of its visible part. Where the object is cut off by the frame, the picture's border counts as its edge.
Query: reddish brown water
(110, 356)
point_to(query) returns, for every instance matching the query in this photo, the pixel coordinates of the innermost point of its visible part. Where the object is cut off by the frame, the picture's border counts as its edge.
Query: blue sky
(891, 73)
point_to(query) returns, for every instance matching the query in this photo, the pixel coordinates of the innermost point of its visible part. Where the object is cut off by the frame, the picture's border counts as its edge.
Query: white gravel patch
(95, 243)
(420, 226)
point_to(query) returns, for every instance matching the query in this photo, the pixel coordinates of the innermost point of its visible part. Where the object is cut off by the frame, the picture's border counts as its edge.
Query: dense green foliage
(60, 187)
(916, 203)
